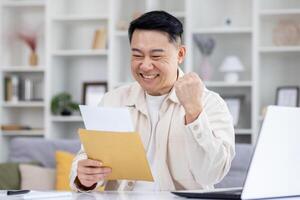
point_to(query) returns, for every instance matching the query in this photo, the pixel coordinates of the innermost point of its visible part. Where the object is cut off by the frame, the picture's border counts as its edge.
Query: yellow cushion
(63, 168)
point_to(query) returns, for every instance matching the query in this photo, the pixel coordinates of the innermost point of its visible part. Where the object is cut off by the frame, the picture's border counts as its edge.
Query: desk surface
(124, 196)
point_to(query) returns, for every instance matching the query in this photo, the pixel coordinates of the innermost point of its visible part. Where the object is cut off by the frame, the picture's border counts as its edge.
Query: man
(186, 129)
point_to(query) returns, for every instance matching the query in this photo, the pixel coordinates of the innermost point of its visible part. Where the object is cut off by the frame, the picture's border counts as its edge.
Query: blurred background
(56, 54)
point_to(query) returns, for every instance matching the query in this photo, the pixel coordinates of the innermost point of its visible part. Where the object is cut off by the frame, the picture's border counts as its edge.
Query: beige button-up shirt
(193, 156)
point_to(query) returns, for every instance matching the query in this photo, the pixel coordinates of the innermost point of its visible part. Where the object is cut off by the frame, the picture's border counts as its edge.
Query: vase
(206, 68)
(33, 59)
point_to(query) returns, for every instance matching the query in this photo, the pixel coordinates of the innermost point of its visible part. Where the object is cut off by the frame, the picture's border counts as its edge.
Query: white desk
(124, 196)
(111, 195)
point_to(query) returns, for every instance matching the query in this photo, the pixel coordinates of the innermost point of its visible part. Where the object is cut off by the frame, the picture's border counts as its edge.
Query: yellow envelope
(123, 152)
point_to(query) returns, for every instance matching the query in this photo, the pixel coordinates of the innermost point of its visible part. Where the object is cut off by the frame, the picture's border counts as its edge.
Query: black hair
(160, 21)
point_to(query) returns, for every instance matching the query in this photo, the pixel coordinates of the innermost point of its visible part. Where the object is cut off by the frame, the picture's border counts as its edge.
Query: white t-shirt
(153, 104)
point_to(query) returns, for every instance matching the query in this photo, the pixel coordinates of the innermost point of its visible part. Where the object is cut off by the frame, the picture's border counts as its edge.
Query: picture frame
(93, 92)
(287, 96)
(234, 104)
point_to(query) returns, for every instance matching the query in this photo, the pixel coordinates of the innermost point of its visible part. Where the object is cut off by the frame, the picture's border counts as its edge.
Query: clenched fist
(189, 91)
(89, 172)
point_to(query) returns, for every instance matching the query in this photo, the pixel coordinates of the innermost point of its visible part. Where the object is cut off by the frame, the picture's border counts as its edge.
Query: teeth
(149, 76)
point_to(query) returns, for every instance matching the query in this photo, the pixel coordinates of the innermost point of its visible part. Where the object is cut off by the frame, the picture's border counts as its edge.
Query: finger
(86, 178)
(92, 178)
(91, 170)
(91, 163)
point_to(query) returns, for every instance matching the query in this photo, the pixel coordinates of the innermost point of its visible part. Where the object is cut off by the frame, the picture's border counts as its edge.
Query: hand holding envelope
(117, 147)
(89, 172)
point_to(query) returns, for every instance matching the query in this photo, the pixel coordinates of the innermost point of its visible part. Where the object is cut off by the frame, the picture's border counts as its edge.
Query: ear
(181, 54)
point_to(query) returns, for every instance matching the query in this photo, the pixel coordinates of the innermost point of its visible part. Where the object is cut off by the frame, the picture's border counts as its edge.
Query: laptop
(274, 170)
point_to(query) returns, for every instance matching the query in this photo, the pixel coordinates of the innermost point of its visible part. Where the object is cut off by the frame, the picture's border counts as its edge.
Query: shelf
(243, 131)
(278, 49)
(24, 104)
(75, 18)
(225, 84)
(66, 119)
(88, 52)
(37, 132)
(23, 69)
(24, 3)
(272, 12)
(223, 30)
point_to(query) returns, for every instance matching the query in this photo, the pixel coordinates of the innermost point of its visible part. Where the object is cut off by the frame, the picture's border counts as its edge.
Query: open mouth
(149, 76)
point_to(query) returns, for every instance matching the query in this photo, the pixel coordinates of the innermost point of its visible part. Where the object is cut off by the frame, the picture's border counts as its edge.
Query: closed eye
(137, 56)
(156, 57)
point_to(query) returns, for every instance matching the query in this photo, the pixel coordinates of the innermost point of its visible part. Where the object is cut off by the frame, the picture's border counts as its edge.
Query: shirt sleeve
(212, 136)
(81, 155)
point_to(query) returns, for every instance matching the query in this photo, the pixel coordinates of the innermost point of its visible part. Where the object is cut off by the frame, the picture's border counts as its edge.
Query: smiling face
(154, 61)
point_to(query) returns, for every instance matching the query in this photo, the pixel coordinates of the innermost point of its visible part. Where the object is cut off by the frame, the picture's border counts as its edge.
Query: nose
(146, 64)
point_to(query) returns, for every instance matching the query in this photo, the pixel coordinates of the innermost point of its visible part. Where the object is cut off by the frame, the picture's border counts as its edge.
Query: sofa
(42, 151)
(239, 167)
(38, 163)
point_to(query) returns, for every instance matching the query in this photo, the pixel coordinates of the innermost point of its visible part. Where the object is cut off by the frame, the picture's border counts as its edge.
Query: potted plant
(62, 104)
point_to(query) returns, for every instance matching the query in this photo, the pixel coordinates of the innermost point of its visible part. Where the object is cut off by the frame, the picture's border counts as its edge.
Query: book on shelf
(12, 88)
(15, 127)
(100, 38)
(18, 129)
(25, 89)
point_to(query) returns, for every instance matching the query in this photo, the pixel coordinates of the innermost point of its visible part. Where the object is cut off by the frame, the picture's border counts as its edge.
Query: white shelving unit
(22, 16)
(72, 60)
(22, 69)
(66, 119)
(78, 18)
(67, 60)
(27, 3)
(87, 52)
(27, 133)
(222, 30)
(276, 65)
(233, 35)
(23, 104)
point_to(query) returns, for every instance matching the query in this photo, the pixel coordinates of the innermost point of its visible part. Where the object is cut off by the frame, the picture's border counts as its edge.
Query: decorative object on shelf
(234, 107)
(38, 89)
(100, 38)
(287, 96)
(93, 92)
(286, 33)
(12, 88)
(231, 65)
(227, 21)
(62, 104)
(30, 39)
(27, 89)
(206, 46)
(15, 127)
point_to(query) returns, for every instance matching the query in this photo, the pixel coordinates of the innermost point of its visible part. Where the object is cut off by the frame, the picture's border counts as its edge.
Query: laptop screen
(275, 167)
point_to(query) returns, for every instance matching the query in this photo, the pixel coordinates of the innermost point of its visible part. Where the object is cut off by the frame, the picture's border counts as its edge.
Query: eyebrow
(152, 51)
